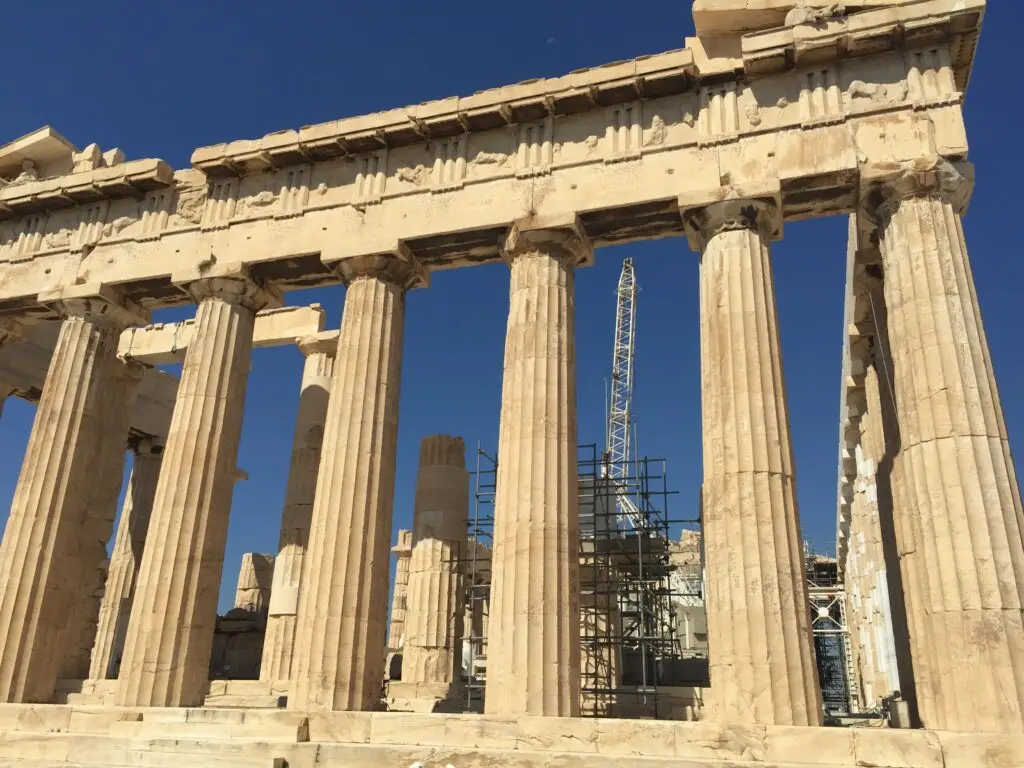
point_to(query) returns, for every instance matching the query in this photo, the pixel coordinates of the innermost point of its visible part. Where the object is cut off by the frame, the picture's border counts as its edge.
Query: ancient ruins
(777, 111)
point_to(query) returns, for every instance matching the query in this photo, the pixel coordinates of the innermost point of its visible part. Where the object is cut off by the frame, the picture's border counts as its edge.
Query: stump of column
(122, 574)
(962, 517)
(533, 658)
(170, 633)
(400, 594)
(759, 636)
(432, 652)
(338, 662)
(279, 641)
(54, 542)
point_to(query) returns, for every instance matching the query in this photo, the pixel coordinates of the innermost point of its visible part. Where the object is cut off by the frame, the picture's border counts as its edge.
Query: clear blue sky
(159, 79)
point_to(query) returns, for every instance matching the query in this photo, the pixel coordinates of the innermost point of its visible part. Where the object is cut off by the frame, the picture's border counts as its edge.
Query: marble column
(54, 541)
(533, 656)
(962, 500)
(338, 662)
(865, 580)
(122, 574)
(102, 510)
(759, 637)
(400, 594)
(170, 633)
(315, 390)
(434, 619)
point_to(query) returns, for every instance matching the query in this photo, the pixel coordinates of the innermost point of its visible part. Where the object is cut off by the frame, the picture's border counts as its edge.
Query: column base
(426, 697)
(247, 694)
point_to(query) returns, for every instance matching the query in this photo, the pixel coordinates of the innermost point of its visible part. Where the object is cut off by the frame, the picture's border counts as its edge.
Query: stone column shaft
(759, 636)
(434, 623)
(170, 634)
(122, 574)
(339, 647)
(279, 641)
(108, 468)
(869, 612)
(533, 656)
(53, 544)
(435, 609)
(400, 595)
(962, 522)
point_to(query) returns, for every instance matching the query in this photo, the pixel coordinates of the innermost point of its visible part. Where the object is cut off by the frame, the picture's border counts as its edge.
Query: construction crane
(619, 454)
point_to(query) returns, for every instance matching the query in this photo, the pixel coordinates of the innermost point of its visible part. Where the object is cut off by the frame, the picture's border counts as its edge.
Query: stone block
(47, 718)
(813, 746)
(482, 731)
(650, 738)
(97, 720)
(33, 746)
(981, 750)
(562, 734)
(720, 741)
(348, 727)
(407, 728)
(897, 748)
(210, 715)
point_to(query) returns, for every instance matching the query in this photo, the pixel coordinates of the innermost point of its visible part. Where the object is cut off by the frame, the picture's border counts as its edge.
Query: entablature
(128, 179)
(798, 137)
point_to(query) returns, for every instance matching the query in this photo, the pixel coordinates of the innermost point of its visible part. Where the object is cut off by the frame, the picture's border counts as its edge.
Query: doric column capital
(325, 342)
(567, 242)
(238, 289)
(96, 303)
(398, 267)
(889, 185)
(442, 450)
(404, 546)
(704, 223)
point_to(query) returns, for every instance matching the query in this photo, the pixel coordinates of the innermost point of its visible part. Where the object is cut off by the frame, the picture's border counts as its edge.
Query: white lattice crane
(619, 453)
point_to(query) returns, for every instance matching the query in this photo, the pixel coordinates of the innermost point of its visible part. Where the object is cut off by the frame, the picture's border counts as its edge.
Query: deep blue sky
(159, 79)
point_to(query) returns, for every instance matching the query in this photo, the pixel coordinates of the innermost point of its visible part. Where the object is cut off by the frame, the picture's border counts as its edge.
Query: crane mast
(620, 405)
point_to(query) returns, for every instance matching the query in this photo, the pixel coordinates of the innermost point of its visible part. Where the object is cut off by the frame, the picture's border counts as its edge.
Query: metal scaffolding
(832, 650)
(628, 634)
(478, 579)
(628, 640)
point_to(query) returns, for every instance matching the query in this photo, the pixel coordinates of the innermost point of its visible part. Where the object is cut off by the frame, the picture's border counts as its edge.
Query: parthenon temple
(774, 112)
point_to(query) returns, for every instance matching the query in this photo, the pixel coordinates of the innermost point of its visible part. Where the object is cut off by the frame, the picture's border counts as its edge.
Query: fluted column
(400, 594)
(339, 646)
(533, 656)
(54, 541)
(963, 503)
(170, 632)
(122, 574)
(434, 618)
(315, 390)
(759, 636)
(102, 510)
(865, 580)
